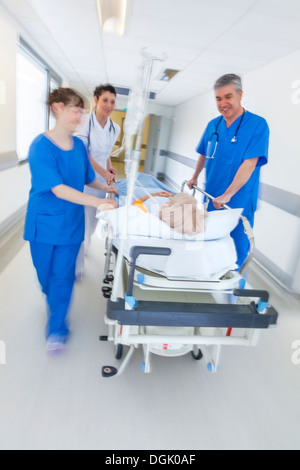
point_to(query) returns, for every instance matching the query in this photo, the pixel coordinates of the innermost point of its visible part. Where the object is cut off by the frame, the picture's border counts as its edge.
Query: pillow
(220, 223)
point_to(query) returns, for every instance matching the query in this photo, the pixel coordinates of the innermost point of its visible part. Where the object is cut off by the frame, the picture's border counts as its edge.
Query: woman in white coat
(99, 134)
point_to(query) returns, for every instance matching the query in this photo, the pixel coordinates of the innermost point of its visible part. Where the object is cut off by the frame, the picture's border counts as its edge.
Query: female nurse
(54, 225)
(99, 134)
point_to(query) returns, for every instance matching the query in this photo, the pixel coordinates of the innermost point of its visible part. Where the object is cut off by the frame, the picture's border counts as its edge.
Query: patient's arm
(159, 194)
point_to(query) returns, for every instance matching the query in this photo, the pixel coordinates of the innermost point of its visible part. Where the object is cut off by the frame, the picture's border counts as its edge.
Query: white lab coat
(99, 143)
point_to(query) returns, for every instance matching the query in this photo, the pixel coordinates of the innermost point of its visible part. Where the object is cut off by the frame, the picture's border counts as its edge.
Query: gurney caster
(109, 371)
(118, 351)
(197, 354)
(106, 292)
(108, 279)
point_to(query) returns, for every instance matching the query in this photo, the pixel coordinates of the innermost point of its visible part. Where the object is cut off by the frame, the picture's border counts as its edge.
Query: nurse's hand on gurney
(193, 182)
(107, 205)
(111, 189)
(109, 177)
(219, 202)
(103, 187)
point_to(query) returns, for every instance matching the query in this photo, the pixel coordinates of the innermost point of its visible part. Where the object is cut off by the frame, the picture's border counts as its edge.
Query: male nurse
(232, 150)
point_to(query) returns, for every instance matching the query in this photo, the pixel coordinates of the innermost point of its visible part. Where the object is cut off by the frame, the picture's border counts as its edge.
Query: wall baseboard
(9, 223)
(8, 160)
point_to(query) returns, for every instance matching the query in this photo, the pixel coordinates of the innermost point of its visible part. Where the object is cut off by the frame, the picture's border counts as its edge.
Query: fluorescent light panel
(167, 75)
(112, 15)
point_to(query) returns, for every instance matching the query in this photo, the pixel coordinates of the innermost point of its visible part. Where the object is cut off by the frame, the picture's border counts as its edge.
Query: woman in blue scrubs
(232, 150)
(54, 224)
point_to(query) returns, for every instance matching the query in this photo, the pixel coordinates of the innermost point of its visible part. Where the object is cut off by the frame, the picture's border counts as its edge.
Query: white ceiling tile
(192, 11)
(201, 38)
(267, 28)
(221, 64)
(192, 23)
(252, 49)
(283, 9)
(75, 27)
(20, 8)
(35, 26)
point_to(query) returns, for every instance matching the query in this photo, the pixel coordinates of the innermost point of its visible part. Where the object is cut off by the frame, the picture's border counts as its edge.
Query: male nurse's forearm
(241, 178)
(72, 195)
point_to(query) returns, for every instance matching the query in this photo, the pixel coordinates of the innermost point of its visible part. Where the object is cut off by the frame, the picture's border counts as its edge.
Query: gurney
(154, 301)
(169, 313)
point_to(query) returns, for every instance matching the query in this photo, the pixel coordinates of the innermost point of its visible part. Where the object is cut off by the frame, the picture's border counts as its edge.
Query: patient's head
(182, 214)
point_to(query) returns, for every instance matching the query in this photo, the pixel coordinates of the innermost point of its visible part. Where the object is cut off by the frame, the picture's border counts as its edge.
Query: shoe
(55, 344)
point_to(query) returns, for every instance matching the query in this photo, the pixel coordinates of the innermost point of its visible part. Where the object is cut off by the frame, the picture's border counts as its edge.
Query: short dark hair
(99, 90)
(229, 79)
(65, 96)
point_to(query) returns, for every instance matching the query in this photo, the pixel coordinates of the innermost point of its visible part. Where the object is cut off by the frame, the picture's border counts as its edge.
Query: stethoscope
(233, 140)
(91, 121)
(111, 127)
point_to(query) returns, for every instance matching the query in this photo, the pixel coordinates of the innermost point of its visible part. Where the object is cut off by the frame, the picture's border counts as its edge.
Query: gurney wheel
(197, 355)
(118, 351)
(108, 279)
(109, 371)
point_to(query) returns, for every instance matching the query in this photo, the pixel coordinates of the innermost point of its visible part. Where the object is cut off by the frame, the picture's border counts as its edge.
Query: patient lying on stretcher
(179, 211)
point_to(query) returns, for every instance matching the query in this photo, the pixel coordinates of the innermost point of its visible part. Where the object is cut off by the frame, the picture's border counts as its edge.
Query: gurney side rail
(135, 252)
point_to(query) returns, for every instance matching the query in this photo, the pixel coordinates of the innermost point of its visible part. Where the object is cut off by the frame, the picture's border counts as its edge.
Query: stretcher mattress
(195, 260)
(204, 256)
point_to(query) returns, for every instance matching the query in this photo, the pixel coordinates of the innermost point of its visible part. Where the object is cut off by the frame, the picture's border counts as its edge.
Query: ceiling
(202, 38)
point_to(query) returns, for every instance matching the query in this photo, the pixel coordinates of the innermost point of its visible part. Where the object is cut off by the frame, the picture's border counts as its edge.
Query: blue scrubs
(252, 141)
(54, 227)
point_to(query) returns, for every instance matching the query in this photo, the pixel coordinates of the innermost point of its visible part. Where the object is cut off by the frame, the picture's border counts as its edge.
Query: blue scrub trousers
(241, 240)
(55, 267)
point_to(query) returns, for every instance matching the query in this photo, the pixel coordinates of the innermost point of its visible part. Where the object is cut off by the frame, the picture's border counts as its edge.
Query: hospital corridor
(149, 226)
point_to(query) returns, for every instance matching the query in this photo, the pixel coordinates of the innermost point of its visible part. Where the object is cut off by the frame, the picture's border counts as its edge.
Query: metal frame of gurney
(142, 309)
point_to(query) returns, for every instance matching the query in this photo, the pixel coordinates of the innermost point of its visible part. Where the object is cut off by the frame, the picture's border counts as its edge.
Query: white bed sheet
(196, 260)
(204, 256)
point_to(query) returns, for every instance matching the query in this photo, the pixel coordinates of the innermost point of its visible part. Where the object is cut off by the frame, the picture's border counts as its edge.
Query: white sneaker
(55, 344)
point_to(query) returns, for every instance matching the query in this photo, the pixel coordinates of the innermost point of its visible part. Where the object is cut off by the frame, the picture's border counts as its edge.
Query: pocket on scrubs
(50, 228)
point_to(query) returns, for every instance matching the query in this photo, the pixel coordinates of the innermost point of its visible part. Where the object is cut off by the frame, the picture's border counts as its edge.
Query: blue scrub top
(50, 219)
(252, 142)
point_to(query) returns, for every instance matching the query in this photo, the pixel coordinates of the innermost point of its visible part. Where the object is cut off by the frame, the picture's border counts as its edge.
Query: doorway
(117, 157)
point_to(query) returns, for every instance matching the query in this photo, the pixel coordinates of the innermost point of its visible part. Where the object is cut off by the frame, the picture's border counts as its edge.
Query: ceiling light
(112, 15)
